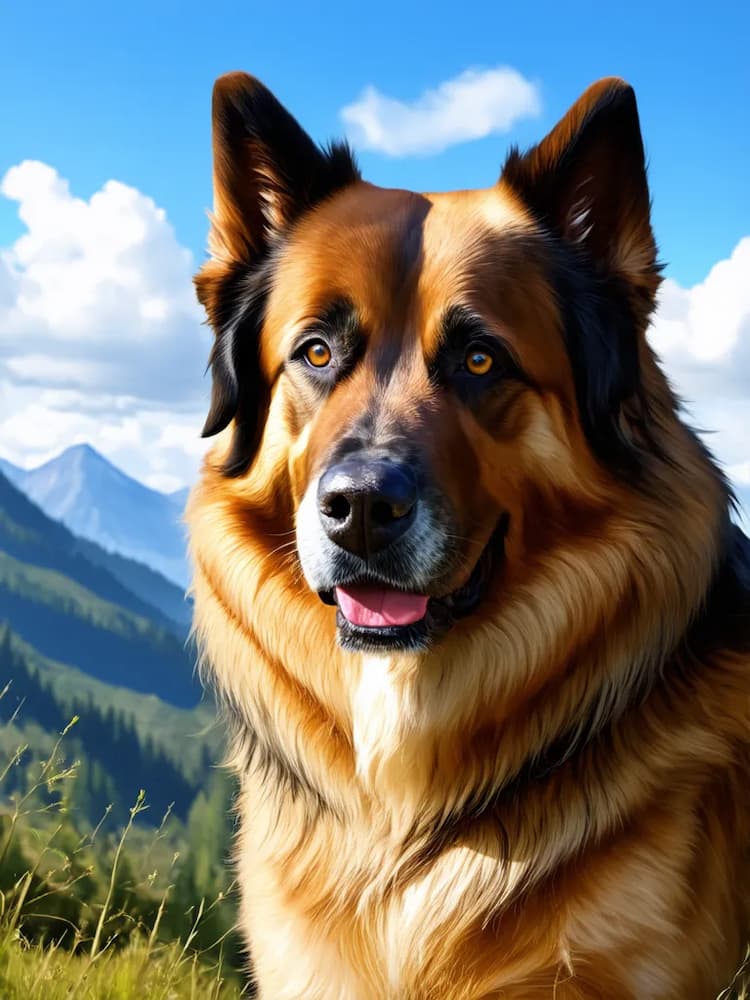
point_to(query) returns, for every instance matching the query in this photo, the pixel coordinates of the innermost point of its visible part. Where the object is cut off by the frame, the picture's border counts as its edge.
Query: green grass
(104, 913)
(160, 972)
(739, 988)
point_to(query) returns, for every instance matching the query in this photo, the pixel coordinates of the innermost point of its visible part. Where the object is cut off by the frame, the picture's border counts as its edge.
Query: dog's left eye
(317, 354)
(478, 361)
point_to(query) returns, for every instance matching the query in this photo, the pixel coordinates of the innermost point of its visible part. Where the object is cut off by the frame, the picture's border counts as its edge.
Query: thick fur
(552, 800)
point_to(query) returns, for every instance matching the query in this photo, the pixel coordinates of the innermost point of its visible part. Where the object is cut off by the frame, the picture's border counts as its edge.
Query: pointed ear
(267, 169)
(267, 173)
(586, 181)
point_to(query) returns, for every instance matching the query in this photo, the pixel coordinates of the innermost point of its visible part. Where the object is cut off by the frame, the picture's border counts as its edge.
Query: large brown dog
(467, 584)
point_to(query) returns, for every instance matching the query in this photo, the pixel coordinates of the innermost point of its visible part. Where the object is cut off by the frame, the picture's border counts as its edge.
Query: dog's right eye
(317, 354)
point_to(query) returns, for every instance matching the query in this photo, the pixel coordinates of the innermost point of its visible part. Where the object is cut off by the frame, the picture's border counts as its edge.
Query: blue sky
(100, 335)
(104, 90)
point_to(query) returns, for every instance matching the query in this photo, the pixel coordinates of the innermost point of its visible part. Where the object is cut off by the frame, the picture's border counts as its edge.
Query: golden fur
(551, 801)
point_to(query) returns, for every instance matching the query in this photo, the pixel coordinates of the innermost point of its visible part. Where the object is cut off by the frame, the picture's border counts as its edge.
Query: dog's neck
(406, 713)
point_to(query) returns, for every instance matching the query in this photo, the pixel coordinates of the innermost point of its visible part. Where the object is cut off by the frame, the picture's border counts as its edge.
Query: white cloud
(702, 335)
(100, 289)
(472, 105)
(159, 446)
(100, 333)
(740, 473)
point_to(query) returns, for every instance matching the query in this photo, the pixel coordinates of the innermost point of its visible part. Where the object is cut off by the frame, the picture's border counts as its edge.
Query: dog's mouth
(373, 616)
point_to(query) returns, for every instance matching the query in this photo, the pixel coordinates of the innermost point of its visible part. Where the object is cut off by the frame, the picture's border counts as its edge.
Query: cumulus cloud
(702, 335)
(707, 327)
(470, 106)
(100, 334)
(96, 294)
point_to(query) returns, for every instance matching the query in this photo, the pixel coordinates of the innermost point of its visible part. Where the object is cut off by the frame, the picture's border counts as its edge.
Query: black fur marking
(271, 172)
(278, 772)
(238, 389)
(601, 338)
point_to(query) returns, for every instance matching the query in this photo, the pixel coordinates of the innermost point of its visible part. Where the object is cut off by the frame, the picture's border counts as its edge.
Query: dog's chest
(419, 941)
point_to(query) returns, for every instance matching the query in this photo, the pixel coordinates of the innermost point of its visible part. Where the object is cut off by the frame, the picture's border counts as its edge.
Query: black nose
(365, 505)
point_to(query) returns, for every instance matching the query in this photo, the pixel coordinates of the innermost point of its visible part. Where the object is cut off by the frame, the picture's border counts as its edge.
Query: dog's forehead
(391, 253)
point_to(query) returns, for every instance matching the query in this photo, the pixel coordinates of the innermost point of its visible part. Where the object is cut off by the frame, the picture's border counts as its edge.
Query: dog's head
(437, 385)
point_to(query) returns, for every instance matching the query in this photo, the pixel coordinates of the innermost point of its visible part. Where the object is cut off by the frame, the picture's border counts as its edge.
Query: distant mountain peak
(84, 452)
(88, 459)
(99, 502)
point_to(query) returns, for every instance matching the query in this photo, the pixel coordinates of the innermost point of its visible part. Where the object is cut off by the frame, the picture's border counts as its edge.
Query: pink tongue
(374, 607)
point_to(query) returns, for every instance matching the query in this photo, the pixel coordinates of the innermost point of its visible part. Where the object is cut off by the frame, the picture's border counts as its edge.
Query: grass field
(163, 972)
(104, 913)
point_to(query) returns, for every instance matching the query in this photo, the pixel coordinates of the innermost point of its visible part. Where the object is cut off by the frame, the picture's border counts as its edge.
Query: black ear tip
(616, 95)
(209, 428)
(235, 82)
(234, 91)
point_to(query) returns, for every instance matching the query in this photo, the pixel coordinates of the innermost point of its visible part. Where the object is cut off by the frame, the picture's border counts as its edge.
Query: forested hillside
(72, 607)
(115, 759)
(115, 822)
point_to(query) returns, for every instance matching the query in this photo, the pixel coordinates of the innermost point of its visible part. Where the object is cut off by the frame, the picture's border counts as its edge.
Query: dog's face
(443, 382)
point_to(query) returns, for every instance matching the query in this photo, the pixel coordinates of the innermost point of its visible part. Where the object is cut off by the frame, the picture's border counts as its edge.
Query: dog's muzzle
(378, 543)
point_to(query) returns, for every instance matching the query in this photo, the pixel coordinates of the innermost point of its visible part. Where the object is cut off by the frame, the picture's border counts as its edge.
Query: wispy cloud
(470, 106)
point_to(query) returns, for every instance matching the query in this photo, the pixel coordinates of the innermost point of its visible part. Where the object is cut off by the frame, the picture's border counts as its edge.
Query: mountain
(10, 471)
(100, 503)
(27, 534)
(155, 589)
(70, 608)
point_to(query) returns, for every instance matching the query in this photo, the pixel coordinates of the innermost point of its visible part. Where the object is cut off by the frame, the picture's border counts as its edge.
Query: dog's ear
(267, 173)
(586, 181)
(586, 184)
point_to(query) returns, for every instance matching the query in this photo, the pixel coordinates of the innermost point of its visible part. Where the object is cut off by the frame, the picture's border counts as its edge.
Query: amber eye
(478, 362)
(318, 354)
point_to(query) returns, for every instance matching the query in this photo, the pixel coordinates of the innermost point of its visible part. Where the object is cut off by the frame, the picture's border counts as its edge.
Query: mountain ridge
(100, 503)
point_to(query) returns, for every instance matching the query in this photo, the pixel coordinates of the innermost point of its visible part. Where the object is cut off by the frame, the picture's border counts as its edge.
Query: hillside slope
(26, 533)
(115, 762)
(64, 620)
(74, 610)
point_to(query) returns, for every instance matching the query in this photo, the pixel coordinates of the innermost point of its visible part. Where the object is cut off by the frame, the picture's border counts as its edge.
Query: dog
(465, 581)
